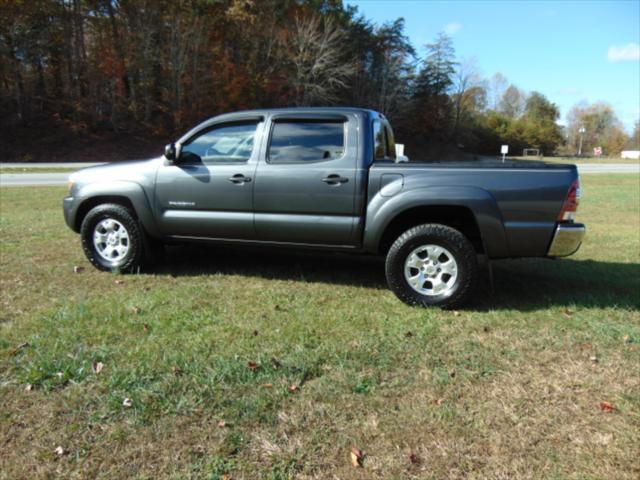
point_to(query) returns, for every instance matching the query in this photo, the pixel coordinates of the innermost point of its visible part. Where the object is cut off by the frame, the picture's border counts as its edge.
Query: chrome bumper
(566, 239)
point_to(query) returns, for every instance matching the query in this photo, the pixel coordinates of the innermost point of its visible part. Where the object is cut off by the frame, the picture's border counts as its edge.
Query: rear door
(305, 189)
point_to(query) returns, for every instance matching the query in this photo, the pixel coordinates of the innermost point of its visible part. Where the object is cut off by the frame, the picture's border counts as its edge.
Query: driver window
(230, 143)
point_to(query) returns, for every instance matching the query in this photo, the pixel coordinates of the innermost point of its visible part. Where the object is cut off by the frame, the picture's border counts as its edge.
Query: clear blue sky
(570, 51)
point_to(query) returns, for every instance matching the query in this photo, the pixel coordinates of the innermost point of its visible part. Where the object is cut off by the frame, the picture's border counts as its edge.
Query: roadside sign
(504, 150)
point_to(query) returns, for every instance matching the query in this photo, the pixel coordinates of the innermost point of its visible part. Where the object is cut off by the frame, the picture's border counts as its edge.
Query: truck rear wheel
(432, 265)
(112, 239)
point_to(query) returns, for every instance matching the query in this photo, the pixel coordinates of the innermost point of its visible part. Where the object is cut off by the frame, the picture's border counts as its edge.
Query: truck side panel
(515, 208)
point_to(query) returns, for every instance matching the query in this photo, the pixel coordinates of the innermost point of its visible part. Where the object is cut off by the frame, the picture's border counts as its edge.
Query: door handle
(335, 179)
(239, 179)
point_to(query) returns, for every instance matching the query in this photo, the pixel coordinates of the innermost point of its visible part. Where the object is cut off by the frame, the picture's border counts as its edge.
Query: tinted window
(306, 141)
(391, 143)
(380, 141)
(223, 144)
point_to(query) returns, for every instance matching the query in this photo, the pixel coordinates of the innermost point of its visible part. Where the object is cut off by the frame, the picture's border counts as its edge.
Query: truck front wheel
(432, 265)
(112, 239)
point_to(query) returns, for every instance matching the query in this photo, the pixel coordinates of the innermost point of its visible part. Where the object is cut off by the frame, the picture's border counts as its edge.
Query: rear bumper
(566, 239)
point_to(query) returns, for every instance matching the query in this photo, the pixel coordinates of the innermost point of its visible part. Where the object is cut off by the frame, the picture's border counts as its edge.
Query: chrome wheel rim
(111, 240)
(431, 270)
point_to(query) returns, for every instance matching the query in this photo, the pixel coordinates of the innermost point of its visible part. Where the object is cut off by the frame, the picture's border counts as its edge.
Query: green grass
(582, 160)
(508, 388)
(28, 169)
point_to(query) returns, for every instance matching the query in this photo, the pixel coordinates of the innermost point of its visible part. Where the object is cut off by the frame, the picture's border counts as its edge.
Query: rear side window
(379, 141)
(306, 141)
(384, 145)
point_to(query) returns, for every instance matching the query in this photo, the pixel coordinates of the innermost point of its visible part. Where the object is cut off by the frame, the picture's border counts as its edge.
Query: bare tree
(513, 102)
(468, 92)
(498, 83)
(319, 64)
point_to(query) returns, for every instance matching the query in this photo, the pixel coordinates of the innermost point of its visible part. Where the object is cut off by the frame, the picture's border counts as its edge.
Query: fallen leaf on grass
(127, 402)
(456, 313)
(15, 351)
(567, 313)
(78, 269)
(253, 366)
(293, 388)
(222, 424)
(607, 407)
(119, 282)
(59, 451)
(415, 459)
(97, 367)
(146, 327)
(267, 385)
(136, 310)
(438, 401)
(176, 370)
(593, 358)
(28, 388)
(357, 457)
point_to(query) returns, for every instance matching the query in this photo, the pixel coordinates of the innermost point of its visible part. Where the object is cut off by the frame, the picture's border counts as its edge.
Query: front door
(209, 191)
(304, 190)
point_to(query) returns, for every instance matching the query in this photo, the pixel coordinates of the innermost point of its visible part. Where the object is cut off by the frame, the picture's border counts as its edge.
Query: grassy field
(37, 170)
(243, 364)
(583, 160)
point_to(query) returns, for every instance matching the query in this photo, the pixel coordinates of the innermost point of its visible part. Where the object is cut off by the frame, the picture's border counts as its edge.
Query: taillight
(570, 207)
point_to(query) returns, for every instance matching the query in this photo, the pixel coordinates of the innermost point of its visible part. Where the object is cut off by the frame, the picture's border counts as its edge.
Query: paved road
(609, 168)
(46, 179)
(32, 179)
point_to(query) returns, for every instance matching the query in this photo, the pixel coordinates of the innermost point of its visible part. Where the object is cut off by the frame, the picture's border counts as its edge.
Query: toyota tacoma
(327, 179)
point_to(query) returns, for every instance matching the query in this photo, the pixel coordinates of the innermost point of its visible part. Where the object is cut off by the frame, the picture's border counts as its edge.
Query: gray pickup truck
(327, 178)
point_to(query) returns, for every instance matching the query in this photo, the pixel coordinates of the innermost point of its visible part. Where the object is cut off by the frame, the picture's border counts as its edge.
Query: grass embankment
(37, 170)
(582, 160)
(270, 365)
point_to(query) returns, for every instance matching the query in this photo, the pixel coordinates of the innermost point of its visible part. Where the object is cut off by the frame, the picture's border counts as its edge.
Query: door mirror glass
(170, 152)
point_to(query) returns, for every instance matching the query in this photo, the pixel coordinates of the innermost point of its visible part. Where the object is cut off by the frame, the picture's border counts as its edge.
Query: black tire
(452, 240)
(135, 255)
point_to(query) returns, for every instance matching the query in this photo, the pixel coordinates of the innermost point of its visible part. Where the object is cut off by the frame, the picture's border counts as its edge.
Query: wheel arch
(455, 216)
(126, 194)
(471, 210)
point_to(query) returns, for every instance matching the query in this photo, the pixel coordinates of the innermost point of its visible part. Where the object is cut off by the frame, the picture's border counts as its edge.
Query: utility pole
(582, 130)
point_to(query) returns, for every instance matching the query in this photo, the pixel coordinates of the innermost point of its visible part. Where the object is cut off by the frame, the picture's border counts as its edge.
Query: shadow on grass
(524, 284)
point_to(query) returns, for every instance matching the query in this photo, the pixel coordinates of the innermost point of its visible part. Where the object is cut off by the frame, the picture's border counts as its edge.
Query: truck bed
(518, 202)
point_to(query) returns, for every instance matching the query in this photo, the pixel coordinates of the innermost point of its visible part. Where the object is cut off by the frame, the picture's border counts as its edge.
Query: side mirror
(170, 152)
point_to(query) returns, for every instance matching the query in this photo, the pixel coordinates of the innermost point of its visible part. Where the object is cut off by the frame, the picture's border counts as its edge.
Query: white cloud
(452, 28)
(629, 52)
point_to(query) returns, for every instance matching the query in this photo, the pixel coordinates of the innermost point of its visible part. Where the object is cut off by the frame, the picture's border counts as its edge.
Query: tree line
(160, 66)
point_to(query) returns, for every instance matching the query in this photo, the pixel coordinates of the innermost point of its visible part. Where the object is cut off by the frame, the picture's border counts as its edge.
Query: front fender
(382, 210)
(120, 188)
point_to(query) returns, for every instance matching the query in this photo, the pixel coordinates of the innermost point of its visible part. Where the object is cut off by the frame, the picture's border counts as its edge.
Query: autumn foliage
(161, 66)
